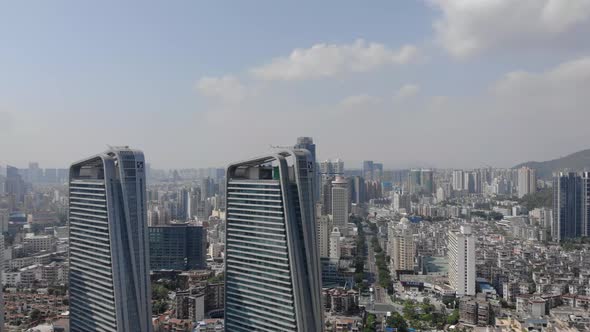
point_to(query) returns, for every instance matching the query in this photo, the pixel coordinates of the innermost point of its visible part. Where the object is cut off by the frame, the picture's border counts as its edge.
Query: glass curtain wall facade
(109, 260)
(272, 263)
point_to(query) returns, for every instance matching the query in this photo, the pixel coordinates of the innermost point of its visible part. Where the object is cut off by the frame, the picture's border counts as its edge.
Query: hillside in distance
(578, 161)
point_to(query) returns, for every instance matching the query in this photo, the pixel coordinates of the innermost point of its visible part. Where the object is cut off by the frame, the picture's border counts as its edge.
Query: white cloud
(566, 84)
(360, 101)
(326, 60)
(227, 88)
(471, 26)
(406, 92)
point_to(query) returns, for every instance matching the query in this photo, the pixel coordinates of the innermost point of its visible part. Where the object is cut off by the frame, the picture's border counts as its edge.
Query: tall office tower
(378, 172)
(527, 181)
(326, 195)
(177, 247)
(14, 184)
(307, 144)
(421, 181)
(358, 194)
(184, 211)
(324, 228)
(272, 271)
(335, 243)
(458, 180)
(205, 186)
(403, 248)
(427, 181)
(368, 170)
(109, 257)
(461, 256)
(340, 204)
(569, 206)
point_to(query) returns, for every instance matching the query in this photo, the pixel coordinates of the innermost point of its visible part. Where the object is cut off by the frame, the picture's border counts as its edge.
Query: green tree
(159, 292)
(409, 311)
(454, 317)
(370, 323)
(35, 315)
(159, 307)
(397, 321)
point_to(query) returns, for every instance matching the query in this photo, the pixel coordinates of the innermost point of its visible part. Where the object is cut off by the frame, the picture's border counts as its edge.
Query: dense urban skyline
(411, 80)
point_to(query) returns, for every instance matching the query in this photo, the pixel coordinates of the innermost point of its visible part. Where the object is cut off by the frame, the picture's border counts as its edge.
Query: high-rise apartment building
(177, 247)
(461, 256)
(4, 215)
(326, 195)
(458, 179)
(340, 204)
(329, 168)
(402, 246)
(272, 271)
(527, 181)
(335, 243)
(324, 226)
(401, 201)
(109, 259)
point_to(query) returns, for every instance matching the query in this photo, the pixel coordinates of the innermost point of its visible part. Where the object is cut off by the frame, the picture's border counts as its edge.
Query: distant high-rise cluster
(372, 171)
(421, 181)
(527, 181)
(178, 246)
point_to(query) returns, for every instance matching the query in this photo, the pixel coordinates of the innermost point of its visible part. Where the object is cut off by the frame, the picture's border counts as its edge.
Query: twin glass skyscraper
(109, 260)
(272, 262)
(272, 266)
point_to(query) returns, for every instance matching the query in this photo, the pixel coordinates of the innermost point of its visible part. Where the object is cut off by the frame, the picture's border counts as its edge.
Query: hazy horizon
(446, 84)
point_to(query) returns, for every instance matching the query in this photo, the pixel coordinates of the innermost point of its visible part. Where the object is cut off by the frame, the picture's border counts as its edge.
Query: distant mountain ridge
(577, 161)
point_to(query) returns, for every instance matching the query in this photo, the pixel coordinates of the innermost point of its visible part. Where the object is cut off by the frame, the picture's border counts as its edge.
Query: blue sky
(198, 84)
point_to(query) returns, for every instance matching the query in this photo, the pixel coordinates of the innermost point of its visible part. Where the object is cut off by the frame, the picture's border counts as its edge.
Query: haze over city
(306, 166)
(417, 83)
